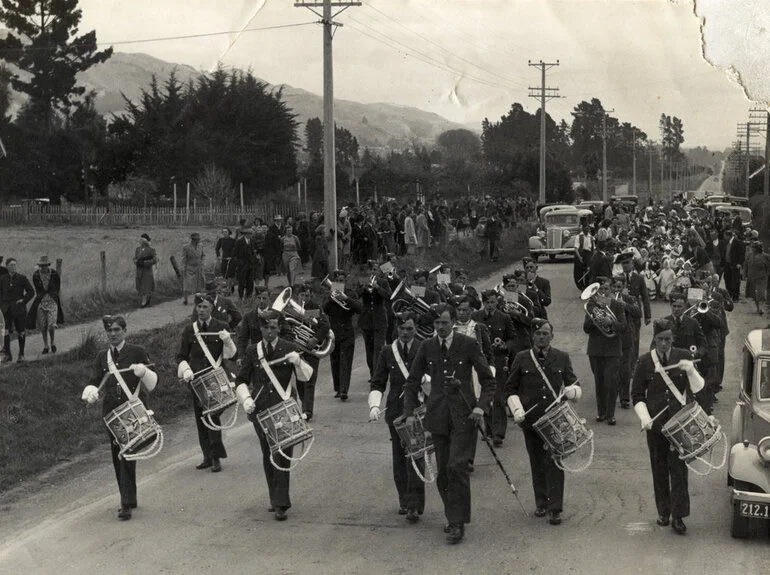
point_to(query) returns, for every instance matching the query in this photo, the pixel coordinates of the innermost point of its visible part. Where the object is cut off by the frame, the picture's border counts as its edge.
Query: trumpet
(513, 306)
(602, 316)
(338, 297)
(703, 306)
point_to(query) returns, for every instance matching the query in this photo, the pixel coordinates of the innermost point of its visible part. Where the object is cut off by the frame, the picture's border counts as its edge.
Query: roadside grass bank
(44, 423)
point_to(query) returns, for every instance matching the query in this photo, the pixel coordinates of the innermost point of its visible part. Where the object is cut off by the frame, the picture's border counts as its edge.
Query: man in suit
(605, 352)
(373, 319)
(541, 285)
(503, 337)
(205, 343)
(535, 386)
(600, 264)
(244, 264)
(272, 384)
(734, 255)
(452, 413)
(393, 363)
(633, 312)
(15, 293)
(584, 247)
(634, 284)
(654, 391)
(117, 389)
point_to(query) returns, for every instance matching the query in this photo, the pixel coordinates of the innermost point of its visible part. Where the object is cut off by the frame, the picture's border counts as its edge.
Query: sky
(463, 59)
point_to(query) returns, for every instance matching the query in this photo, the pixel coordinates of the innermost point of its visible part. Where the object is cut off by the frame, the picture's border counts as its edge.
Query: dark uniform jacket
(446, 409)
(13, 288)
(224, 310)
(387, 368)
(481, 335)
(251, 373)
(248, 332)
(114, 396)
(600, 345)
(525, 381)
(340, 319)
(687, 332)
(54, 285)
(599, 265)
(543, 292)
(637, 287)
(374, 314)
(191, 351)
(468, 290)
(500, 326)
(648, 386)
(244, 254)
(633, 315)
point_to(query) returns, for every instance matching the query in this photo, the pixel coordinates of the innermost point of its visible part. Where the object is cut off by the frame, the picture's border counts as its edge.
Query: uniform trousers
(341, 360)
(209, 440)
(547, 479)
(411, 489)
(721, 361)
(624, 377)
(306, 389)
(277, 480)
(453, 480)
(497, 420)
(245, 281)
(605, 370)
(125, 473)
(733, 280)
(669, 477)
(374, 339)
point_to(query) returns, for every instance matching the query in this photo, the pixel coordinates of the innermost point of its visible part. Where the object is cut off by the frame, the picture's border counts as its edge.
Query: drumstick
(656, 416)
(559, 398)
(678, 365)
(213, 332)
(125, 369)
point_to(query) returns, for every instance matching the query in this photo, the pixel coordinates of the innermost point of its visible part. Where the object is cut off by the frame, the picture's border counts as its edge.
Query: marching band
(453, 364)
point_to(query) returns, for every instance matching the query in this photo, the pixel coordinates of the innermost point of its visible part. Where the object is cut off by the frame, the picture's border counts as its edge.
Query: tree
(50, 53)
(314, 139)
(459, 145)
(214, 184)
(5, 92)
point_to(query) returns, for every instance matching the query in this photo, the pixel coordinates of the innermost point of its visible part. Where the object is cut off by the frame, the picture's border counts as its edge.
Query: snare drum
(692, 434)
(284, 427)
(417, 444)
(564, 433)
(135, 430)
(216, 393)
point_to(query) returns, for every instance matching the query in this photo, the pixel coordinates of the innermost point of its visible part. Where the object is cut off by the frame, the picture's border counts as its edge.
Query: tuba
(601, 315)
(336, 296)
(404, 300)
(511, 306)
(303, 328)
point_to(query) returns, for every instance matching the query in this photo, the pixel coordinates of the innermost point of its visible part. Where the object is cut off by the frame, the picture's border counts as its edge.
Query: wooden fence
(137, 216)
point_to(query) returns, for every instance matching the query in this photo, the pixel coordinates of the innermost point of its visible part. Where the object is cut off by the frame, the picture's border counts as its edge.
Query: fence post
(188, 201)
(174, 202)
(241, 197)
(103, 258)
(58, 266)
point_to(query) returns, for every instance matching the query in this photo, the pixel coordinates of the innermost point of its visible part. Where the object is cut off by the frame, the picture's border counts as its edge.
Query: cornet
(337, 297)
(703, 306)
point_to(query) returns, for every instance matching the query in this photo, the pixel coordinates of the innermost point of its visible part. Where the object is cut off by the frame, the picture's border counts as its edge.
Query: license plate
(755, 510)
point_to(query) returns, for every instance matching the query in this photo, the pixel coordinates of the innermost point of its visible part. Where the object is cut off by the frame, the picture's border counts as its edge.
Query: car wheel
(552, 257)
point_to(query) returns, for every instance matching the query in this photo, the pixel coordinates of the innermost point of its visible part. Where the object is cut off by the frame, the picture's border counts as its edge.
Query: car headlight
(566, 233)
(763, 447)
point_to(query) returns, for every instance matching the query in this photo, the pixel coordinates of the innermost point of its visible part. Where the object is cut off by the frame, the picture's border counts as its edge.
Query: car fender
(736, 426)
(569, 242)
(535, 243)
(746, 465)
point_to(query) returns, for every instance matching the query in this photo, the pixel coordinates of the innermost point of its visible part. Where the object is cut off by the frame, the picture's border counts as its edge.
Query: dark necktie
(115, 354)
(268, 349)
(404, 351)
(664, 359)
(204, 327)
(443, 348)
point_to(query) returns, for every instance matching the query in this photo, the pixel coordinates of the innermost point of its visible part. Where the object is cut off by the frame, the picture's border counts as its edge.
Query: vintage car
(551, 208)
(744, 213)
(557, 232)
(748, 467)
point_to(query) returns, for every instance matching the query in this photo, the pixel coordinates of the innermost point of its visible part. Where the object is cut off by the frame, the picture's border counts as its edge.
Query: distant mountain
(377, 126)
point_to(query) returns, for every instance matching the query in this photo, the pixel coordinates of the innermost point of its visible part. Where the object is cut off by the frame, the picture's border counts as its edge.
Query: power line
(163, 38)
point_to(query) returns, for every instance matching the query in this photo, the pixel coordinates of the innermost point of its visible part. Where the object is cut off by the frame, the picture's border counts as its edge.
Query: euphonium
(404, 300)
(333, 294)
(602, 316)
(303, 328)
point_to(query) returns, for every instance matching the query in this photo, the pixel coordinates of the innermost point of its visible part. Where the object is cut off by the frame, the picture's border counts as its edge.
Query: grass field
(79, 248)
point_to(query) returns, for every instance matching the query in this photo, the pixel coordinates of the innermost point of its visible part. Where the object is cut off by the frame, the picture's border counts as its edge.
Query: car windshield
(563, 219)
(764, 380)
(745, 215)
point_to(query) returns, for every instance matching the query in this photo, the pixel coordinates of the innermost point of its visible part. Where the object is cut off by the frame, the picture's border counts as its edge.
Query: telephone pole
(759, 115)
(605, 197)
(542, 93)
(633, 153)
(330, 182)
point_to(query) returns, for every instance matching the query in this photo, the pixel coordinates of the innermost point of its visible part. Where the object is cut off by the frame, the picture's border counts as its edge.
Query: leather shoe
(402, 511)
(337, 394)
(498, 442)
(205, 464)
(663, 521)
(280, 514)
(678, 526)
(125, 513)
(624, 405)
(216, 466)
(470, 467)
(541, 512)
(456, 533)
(412, 516)
(600, 418)
(611, 421)
(555, 518)
(343, 396)
(271, 509)
(447, 527)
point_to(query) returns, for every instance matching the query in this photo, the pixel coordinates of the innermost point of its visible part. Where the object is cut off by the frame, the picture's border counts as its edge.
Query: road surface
(344, 519)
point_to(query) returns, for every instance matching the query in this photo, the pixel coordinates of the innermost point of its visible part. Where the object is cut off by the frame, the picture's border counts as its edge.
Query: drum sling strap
(284, 393)
(118, 376)
(681, 397)
(214, 363)
(542, 373)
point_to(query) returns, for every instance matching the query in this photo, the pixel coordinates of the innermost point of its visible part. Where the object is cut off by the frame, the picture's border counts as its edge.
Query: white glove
(139, 369)
(517, 409)
(249, 406)
(518, 416)
(374, 413)
(293, 358)
(573, 392)
(644, 415)
(90, 394)
(188, 375)
(224, 335)
(686, 365)
(713, 421)
(182, 370)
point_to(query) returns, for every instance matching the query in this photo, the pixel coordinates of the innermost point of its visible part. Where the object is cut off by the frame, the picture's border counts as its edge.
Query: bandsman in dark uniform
(633, 312)
(393, 364)
(452, 413)
(341, 322)
(205, 343)
(309, 297)
(653, 391)
(247, 331)
(374, 296)
(688, 333)
(460, 286)
(120, 355)
(535, 386)
(502, 334)
(224, 309)
(605, 353)
(256, 372)
(419, 280)
(637, 289)
(521, 318)
(542, 287)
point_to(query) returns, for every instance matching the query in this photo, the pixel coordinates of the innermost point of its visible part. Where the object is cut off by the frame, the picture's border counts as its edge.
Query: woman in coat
(144, 260)
(45, 312)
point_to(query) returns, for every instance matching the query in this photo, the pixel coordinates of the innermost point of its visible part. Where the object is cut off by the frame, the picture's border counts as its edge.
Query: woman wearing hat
(144, 259)
(45, 312)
